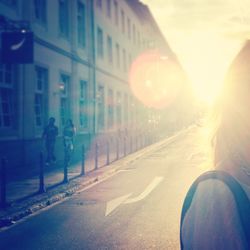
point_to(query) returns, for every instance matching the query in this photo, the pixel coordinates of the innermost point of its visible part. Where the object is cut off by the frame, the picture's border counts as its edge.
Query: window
(81, 24)
(99, 4)
(110, 109)
(64, 98)
(83, 112)
(12, 3)
(7, 98)
(117, 48)
(129, 61)
(63, 18)
(40, 102)
(123, 21)
(124, 60)
(110, 49)
(116, 13)
(99, 42)
(40, 7)
(119, 108)
(108, 8)
(138, 38)
(134, 34)
(129, 28)
(100, 107)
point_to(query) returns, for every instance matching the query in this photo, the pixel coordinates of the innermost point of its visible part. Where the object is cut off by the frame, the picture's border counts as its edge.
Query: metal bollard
(3, 202)
(117, 148)
(41, 174)
(65, 169)
(124, 146)
(108, 149)
(96, 155)
(83, 161)
(130, 145)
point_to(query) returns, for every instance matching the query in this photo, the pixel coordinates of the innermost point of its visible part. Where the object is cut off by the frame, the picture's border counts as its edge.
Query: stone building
(83, 50)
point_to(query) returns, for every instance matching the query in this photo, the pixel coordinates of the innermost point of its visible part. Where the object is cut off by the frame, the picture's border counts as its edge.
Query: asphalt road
(138, 208)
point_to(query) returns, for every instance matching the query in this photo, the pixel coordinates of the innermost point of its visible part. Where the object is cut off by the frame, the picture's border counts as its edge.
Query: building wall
(59, 56)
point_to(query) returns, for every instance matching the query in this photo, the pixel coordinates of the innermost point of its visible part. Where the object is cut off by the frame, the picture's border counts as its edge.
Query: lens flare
(155, 79)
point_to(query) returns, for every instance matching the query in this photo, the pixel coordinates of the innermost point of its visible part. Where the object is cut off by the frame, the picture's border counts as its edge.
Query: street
(138, 208)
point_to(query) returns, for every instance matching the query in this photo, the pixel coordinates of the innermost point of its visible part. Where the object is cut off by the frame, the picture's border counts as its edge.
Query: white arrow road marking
(147, 191)
(18, 45)
(113, 204)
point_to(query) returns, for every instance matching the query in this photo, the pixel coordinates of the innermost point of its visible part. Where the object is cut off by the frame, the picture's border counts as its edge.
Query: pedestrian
(216, 210)
(49, 134)
(69, 132)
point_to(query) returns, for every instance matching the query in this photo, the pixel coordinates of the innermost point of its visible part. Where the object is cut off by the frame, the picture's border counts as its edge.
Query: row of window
(114, 12)
(40, 14)
(115, 105)
(41, 99)
(8, 98)
(40, 7)
(125, 60)
(110, 104)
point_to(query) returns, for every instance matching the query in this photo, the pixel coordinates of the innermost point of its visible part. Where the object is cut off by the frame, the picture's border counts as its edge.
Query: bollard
(124, 146)
(41, 174)
(96, 155)
(66, 163)
(117, 148)
(130, 145)
(3, 202)
(108, 149)
(83, 161)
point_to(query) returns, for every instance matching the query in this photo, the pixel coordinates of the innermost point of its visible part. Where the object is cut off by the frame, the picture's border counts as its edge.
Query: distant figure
(216, 210)
(49, 134)
(69, 132)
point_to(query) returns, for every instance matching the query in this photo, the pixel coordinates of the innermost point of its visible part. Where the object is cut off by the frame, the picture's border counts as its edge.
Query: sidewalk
(23, 195)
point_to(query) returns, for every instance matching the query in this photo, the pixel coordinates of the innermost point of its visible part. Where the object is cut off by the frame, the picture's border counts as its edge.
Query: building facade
(83, 50)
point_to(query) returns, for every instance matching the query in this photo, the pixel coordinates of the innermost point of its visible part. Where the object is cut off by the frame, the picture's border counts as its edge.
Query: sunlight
(205, 36)
(155, 79)
(206, 58)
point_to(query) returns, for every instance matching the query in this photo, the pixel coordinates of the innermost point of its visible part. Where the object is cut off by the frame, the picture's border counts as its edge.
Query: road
(138, 208)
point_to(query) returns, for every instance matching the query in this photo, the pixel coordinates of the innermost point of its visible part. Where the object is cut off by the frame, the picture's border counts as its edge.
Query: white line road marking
(113, 204)
(147, 191)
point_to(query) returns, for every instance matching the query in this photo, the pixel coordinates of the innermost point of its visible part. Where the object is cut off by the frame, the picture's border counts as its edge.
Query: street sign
(17, 47)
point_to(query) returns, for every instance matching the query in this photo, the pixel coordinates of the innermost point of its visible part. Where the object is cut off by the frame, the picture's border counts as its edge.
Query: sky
(205, 35)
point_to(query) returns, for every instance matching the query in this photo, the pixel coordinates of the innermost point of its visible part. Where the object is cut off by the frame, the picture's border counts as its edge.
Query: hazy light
(154, 79)
(205, 35)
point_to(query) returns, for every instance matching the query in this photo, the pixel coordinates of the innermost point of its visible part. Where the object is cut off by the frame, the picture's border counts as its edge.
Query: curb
(7, 221)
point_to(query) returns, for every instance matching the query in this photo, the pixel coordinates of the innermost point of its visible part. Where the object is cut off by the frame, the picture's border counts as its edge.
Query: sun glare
(206, 58)
(155, 79)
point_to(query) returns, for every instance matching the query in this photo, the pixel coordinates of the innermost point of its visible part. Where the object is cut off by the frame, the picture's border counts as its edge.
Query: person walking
(216, 210)
(69, 132)
(49, 135)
